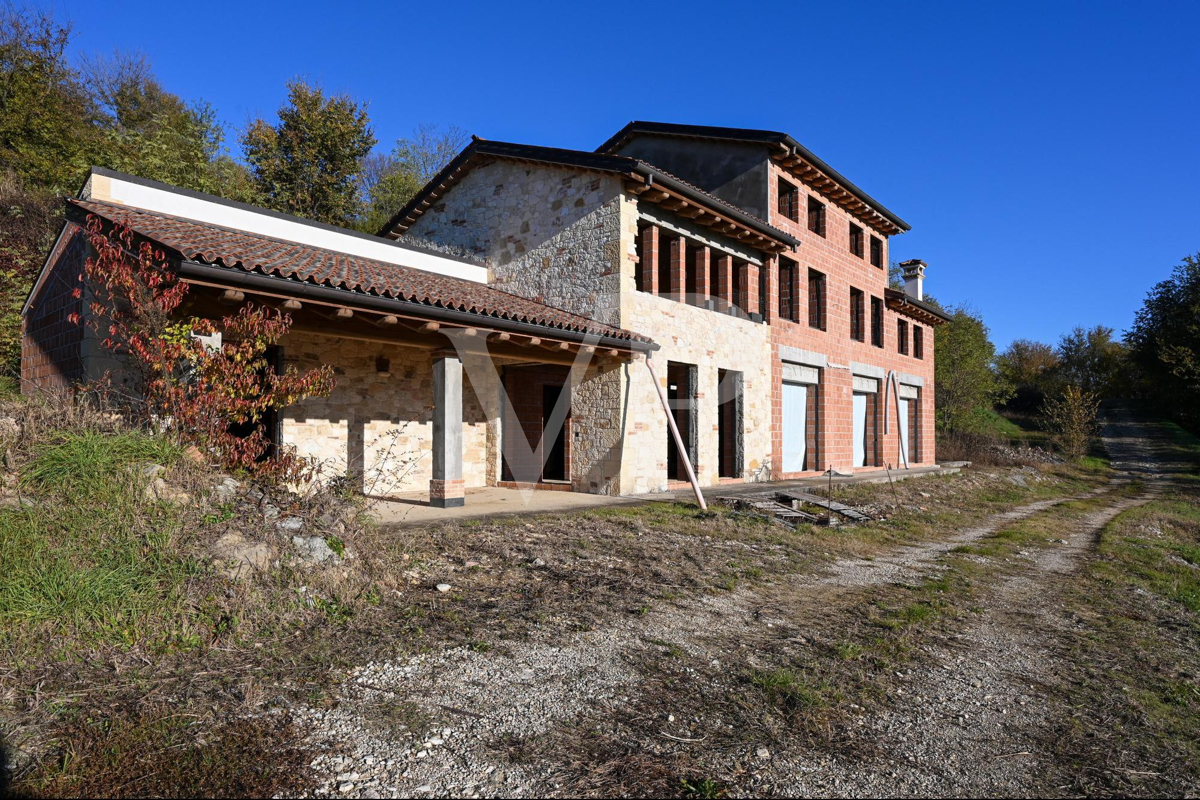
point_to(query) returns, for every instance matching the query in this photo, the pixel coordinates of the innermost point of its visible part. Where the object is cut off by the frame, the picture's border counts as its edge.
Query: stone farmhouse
(541, 316)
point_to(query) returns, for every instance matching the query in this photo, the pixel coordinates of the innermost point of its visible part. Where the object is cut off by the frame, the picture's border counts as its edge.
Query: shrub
(196, 392)
(1072, 420)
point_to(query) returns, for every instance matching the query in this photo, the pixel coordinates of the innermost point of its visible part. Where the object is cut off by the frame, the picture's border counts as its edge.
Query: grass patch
(91, 555)
(1136, 690)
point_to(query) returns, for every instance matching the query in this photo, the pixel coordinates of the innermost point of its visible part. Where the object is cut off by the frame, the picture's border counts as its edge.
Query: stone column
(649, 262)
(724, 281)
(446, 489)
(703, 267)
(678, 288)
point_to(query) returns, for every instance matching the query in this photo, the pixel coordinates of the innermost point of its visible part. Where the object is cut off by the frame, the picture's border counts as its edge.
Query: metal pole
(687, 462)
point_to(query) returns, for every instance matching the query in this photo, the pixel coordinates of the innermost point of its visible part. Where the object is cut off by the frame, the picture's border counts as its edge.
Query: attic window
(789, 200)
(856, 240)
(816, 216)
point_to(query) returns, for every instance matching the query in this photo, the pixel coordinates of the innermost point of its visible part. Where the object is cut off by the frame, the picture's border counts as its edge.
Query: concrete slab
(413, 510)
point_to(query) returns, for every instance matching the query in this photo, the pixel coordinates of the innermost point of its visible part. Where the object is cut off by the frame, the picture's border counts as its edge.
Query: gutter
(905, 300)
(239, 277)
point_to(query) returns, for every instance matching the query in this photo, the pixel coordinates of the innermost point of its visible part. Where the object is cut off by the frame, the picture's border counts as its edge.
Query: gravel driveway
(436, 725)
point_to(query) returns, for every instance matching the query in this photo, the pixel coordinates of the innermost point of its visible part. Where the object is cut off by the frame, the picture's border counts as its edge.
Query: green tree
(1164, 342)
(309, 162)
(389, 181)
(1031, 369)
(385, 186)
(1092, 360)
(49, 126)
(967, 383)
(152, 133)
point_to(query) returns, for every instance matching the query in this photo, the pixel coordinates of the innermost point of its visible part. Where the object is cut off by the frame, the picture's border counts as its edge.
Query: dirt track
(967, 719)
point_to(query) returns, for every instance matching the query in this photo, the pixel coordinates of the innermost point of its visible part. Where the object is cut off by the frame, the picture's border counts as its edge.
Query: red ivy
(196, 392)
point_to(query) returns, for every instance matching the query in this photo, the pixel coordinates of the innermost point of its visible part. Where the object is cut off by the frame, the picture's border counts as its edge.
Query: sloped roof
(581, 159)
(253, 253)
(753, 136)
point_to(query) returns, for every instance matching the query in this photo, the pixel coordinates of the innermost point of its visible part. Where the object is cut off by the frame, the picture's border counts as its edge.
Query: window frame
(876, 252)
(902, 336)
(788, 305)
(918, 342)
(877, 321)
(858, 310)
(856, 239)
(788, 202)
(817, 315)
(817, 220)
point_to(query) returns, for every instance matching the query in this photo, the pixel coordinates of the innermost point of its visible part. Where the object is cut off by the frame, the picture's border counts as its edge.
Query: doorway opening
(681, 398)
(729, 424)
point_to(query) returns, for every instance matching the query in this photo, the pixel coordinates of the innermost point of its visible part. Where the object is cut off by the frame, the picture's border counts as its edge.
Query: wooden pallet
(772, 508)
(841, 508)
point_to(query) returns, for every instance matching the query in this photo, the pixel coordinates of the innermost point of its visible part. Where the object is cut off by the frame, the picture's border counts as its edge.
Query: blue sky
(1046, 155)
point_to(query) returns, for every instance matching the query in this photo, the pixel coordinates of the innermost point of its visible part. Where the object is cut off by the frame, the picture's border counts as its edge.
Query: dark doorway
(681, 397)
(729, 424)
(555, 466)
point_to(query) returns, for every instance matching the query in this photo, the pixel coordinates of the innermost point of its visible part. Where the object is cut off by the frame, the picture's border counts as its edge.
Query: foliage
(1072, 420)
(1092, 360)
(966, 380)
(385, 186)
(48, 120)
(27, 222)
(309, 162)
(152, 133)
(389, 181)
(1164, 342)
(1031, 369)
(195, 391)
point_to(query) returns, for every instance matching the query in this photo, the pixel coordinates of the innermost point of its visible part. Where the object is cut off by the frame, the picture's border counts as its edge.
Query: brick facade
(52, 346)
(843, 269)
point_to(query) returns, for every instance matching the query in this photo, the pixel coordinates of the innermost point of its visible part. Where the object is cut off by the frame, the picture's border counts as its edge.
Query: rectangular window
(764, 282)
(902, 336)
(789, 200)
(787, 303)
(816, 216)
(857, 327)
(876, 322)
(816, 299)
(918, 342)
(876, 252)
(856, 240)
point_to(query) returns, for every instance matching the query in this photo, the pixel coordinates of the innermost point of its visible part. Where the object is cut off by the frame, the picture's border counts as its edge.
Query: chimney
(914, 278)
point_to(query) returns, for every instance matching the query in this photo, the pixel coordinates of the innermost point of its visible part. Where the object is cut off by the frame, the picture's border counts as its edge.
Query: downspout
(687, 462)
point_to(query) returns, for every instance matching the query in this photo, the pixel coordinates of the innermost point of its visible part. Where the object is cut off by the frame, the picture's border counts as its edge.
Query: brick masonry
(831, 255)
(52, 346)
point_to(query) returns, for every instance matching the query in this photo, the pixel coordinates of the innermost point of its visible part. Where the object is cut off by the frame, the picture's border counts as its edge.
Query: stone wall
(712, 342)
(551, 234)
(380, 424)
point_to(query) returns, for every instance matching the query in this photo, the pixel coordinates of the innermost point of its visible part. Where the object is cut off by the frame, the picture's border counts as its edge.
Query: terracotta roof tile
(212, 244)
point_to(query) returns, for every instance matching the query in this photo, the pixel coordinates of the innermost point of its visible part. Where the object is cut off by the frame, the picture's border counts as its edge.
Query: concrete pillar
(724, 281)
(649, 262)
(446, 489)
(678, 288)
(703, 267)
